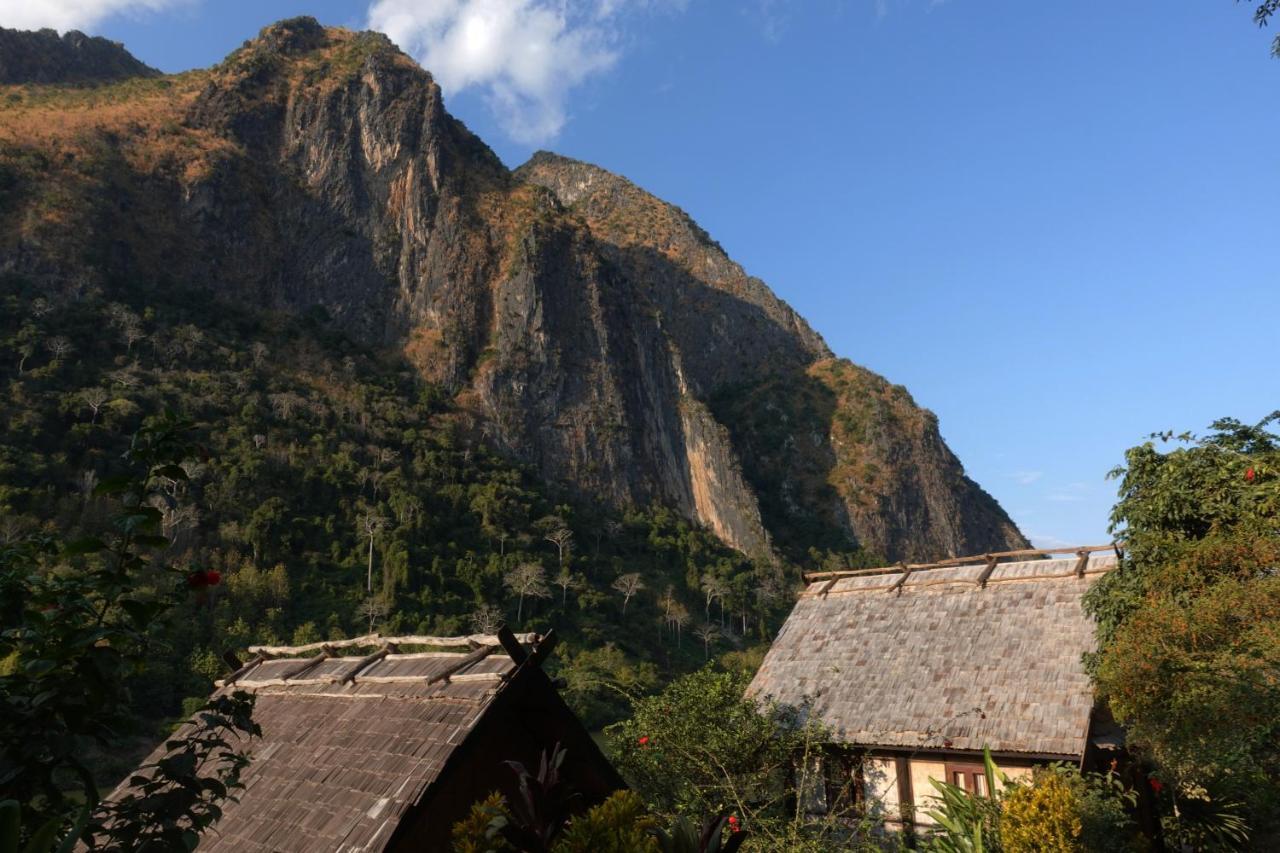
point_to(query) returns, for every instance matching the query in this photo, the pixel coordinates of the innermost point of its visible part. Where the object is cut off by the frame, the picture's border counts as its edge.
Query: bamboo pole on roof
(954, 562)
(468, 641)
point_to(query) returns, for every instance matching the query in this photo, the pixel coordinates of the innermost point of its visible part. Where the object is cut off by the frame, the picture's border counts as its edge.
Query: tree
(602, 683)
(1189, 624)
(486, 619)
(25, 343)
(628, 584)
(678, 617)
(562, 538)
(566, 580)
(702, 747)
(258, 352)
(95, 399)
(371, 525)
(526, 579)
(132, 332)
(715, 589)
(375, 609)
(708, 633)
(59, 347)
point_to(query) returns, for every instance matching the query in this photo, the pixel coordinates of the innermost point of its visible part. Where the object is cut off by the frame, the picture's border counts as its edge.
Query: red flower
(1249, 475)
(1156, 785)
(644, 740)
(213, 578)
(734, 826)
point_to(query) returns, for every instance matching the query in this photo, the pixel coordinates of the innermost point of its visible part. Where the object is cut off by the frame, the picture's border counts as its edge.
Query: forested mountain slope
(581, 325)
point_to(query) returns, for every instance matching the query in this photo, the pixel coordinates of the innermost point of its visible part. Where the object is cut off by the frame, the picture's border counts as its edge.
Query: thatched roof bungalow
(916, 669)
(387, 750)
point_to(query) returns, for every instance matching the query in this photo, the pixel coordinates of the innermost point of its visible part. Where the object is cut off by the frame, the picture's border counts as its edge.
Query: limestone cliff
(579, 322)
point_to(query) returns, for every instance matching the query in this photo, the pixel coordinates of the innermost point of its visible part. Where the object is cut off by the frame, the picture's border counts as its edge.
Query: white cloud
(63, 15)
(525, 55)
(1026, 478)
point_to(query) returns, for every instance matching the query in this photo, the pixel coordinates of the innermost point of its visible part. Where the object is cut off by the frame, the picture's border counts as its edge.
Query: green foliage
(1043, 816)
(618, 825)
(601, 684)
(717, 835)
(701, 747)
(1198, 822)
(77, 619)
(478, 831)
(1189, 625)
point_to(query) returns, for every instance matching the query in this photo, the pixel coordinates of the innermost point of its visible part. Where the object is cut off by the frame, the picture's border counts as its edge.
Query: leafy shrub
(1042, 816)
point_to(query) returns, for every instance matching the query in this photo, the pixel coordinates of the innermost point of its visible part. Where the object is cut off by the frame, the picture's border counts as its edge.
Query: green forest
(335, 493)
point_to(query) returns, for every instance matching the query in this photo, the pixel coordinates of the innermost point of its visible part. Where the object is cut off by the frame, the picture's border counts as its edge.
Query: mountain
(575, 322)
(44, 57)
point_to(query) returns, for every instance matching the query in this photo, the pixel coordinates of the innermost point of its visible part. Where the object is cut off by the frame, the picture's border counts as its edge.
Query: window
(970, 777)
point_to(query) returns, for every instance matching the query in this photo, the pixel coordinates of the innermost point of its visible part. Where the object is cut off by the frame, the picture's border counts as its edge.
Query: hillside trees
(1189, 625)
(282, 500)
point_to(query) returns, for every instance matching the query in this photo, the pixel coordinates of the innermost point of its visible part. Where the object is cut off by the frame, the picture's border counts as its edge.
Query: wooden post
(512, 645)
(244, 670)
(466, 661)
(906, 799)
(308, 664)
(986, 572)
(363, 664)
(897, 585)
(543, 648)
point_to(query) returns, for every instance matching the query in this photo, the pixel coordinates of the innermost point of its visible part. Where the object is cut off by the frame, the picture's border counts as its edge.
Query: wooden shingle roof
(350, 744)
(961, 658)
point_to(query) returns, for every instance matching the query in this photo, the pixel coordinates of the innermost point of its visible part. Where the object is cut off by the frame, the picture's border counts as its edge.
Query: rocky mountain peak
(42, 56)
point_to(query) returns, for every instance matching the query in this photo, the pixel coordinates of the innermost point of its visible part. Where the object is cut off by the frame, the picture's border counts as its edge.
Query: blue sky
(1053, 222)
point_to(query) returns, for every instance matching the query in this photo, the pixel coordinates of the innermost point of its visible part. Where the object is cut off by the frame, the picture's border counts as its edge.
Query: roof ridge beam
(954, 562)
(469, 641)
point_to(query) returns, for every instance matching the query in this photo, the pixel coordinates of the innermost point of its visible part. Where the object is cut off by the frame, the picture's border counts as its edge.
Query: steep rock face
(834, 452)
(45, 57)
(581, 323)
